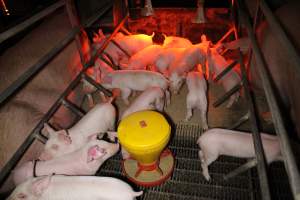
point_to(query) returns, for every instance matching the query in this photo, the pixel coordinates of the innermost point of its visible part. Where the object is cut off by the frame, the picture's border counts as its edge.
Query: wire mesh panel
(187, 181)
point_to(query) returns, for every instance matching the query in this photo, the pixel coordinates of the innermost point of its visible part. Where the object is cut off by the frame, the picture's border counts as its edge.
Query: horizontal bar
(73, 108)
(102, 48)
(248, 165)
(121, 48)
(97, 85)
(224, 36)
(41, 63)
(31, 137)
(225, 71)
(28, 22)
(242, 120)
(227, 95)
(281, 35)
(289, 159)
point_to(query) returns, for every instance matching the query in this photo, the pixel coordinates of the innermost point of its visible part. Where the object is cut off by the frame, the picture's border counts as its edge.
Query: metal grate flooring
(187, 182)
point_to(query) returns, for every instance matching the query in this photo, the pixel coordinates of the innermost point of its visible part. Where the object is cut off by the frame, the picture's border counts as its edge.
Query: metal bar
(241, 169)
(26, 76)
(100, 50)
(225, 71)
(258, 146)
(225, 36)
(43, 139)
(123, 29)
(281, 35)
(20, 27)
(242, 120)
(289, 159)
(110, 62)
(73, 108)
(31, 137)
(227, 95)
(97, 85)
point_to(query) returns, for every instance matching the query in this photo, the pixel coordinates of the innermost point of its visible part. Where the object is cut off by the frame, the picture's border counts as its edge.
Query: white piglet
(216, 64)
(152, 98)
(135, 80)
(144, 59)
(99, 119)
(84, 161)
(216, 142)
(196, 97)
(60, 187)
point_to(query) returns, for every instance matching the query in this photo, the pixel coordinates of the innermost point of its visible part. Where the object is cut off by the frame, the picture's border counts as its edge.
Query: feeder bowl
(145, 135)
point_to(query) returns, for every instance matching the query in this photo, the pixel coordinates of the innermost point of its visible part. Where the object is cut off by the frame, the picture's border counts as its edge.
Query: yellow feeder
(144, 135)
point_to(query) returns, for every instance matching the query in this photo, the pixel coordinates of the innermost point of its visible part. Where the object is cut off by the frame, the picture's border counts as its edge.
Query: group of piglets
(149, 68)
(69, 156)
(158, 69)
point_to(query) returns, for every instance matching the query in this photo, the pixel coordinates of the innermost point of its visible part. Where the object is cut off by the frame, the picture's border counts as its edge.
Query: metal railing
(288, 156)
(62, 100)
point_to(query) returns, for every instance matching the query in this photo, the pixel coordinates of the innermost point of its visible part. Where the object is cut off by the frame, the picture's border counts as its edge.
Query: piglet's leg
(189, 113)
(204, 166)
(125, 94)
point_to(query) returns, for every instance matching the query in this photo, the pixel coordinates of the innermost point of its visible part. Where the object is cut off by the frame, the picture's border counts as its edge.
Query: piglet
(196, 97)
(143, 59)
(60, 187)
(84, 161)
(183, 63)
(216, 64)
(151, 98)
(99, 119)
(216, 142)
(135, 80)
(176, 42)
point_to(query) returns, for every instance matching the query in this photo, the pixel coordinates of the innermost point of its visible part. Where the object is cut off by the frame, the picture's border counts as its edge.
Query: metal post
(289, 159)
(258, 146)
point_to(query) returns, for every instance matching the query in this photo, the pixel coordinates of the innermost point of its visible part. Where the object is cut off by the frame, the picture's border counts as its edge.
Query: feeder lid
(144, 130)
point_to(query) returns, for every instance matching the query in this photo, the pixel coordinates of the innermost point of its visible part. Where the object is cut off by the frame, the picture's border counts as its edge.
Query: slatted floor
(187, 182)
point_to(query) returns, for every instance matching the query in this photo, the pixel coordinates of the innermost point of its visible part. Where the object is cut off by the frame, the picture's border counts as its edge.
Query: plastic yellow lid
(144, 130)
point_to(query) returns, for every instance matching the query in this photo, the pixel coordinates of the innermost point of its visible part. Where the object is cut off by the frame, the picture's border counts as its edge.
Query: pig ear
(95, 152)
(203, 38)
(39, 185)
(63, 136)
(47, 130)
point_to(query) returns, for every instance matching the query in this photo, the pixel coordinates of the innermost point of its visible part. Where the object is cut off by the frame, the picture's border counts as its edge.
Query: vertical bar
(258, 146)
(289, 159)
